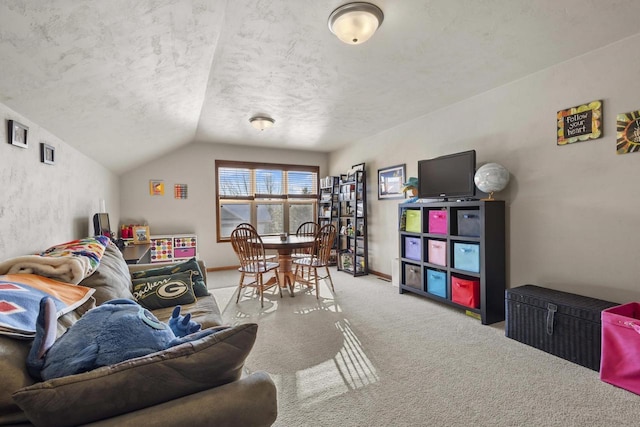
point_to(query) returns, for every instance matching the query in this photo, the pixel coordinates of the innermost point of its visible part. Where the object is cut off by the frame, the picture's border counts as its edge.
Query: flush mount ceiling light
(355, 23)
(261, 123)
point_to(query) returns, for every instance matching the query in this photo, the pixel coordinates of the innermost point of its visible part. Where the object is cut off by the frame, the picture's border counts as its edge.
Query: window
(273, 198)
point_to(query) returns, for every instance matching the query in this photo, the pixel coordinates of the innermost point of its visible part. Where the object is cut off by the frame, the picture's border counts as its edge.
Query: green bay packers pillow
(164, 291)
(199, 287)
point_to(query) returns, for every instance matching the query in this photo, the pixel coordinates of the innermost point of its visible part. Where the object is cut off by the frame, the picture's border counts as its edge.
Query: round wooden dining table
(284, 248)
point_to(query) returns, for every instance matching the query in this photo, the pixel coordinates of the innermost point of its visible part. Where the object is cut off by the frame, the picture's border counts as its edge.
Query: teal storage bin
(466, 256)
(437, 282)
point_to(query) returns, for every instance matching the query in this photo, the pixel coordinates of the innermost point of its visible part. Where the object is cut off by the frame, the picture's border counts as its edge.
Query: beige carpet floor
(368, 356)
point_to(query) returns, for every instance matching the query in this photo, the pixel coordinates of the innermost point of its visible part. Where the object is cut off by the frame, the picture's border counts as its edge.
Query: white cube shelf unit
(173, 247)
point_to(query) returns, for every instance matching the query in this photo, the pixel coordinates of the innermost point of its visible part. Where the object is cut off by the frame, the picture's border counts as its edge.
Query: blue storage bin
(437, 282)
(412, 248)
(466, 256)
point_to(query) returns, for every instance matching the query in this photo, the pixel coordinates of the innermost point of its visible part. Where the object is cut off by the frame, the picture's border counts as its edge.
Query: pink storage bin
(620, 350)
(437, 252)
(185, 252)
(438, 222)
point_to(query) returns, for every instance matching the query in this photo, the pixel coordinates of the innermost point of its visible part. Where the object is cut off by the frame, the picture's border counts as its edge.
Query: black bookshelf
(353, 251)
(490, 241)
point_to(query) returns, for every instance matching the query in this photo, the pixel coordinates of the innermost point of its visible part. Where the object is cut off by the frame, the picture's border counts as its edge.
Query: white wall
(571, 210)
(43, 205)
(194, 165)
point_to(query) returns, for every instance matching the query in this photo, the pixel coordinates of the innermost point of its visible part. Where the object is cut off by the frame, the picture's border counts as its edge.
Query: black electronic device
(447, 176)
(101, 224)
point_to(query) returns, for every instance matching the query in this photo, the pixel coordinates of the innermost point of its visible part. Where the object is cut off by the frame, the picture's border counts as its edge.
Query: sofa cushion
(199, 286)
(204, 311)
(149, 380)
(111, 280)
(164, 291)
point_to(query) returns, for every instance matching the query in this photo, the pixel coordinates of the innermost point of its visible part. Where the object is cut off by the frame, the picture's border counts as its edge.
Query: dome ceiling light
(355, 23)
(261, 123)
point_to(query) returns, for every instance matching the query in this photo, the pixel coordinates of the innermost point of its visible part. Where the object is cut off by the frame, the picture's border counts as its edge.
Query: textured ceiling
(126, 81)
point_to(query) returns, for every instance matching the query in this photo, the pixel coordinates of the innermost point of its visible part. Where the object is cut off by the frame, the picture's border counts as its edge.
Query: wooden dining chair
(317, 259)
(305, 229)
(308, 229)
(248, 246)
(248, 225)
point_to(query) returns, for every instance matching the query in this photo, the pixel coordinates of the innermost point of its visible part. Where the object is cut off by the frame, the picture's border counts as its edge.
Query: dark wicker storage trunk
(563, 324)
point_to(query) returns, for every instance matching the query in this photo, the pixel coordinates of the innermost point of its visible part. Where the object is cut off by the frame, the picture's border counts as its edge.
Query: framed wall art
(17, 134)
(141, 234)
(628, 132)
(156, 187)
(390, 182)
(580, 123)
(180, 191)
(47, 154)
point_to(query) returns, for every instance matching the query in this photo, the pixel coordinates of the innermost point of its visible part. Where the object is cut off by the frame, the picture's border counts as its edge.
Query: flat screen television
(101, 224)
(449, 176)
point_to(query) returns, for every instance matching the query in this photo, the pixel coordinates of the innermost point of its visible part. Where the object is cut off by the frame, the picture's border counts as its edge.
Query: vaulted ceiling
(126, 81)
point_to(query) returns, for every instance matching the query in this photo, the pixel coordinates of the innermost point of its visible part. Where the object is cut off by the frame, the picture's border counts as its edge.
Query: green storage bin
(413, 223)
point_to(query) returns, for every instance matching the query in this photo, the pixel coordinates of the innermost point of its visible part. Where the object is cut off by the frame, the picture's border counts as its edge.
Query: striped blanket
(68, 262)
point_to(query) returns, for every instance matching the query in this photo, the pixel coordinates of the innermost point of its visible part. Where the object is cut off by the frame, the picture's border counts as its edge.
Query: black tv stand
(490, 242)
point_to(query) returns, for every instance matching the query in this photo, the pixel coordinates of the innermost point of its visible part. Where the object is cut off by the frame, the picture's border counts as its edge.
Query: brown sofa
(199, 383)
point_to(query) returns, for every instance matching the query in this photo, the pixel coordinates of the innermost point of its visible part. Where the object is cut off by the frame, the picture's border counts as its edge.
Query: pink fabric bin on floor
(620, 354)
(437, 252)
(438, 222)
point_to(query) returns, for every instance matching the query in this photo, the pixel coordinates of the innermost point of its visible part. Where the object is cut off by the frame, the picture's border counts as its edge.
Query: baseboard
(228, 267)
(384, 276)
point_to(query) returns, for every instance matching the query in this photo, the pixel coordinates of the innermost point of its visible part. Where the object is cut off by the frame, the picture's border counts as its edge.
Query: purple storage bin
(412, 248)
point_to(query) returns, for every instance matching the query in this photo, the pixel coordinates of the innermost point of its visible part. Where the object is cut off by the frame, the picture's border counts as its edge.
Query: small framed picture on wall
(390, 182)
(47, 154)
(156, 187)
(17, 134)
